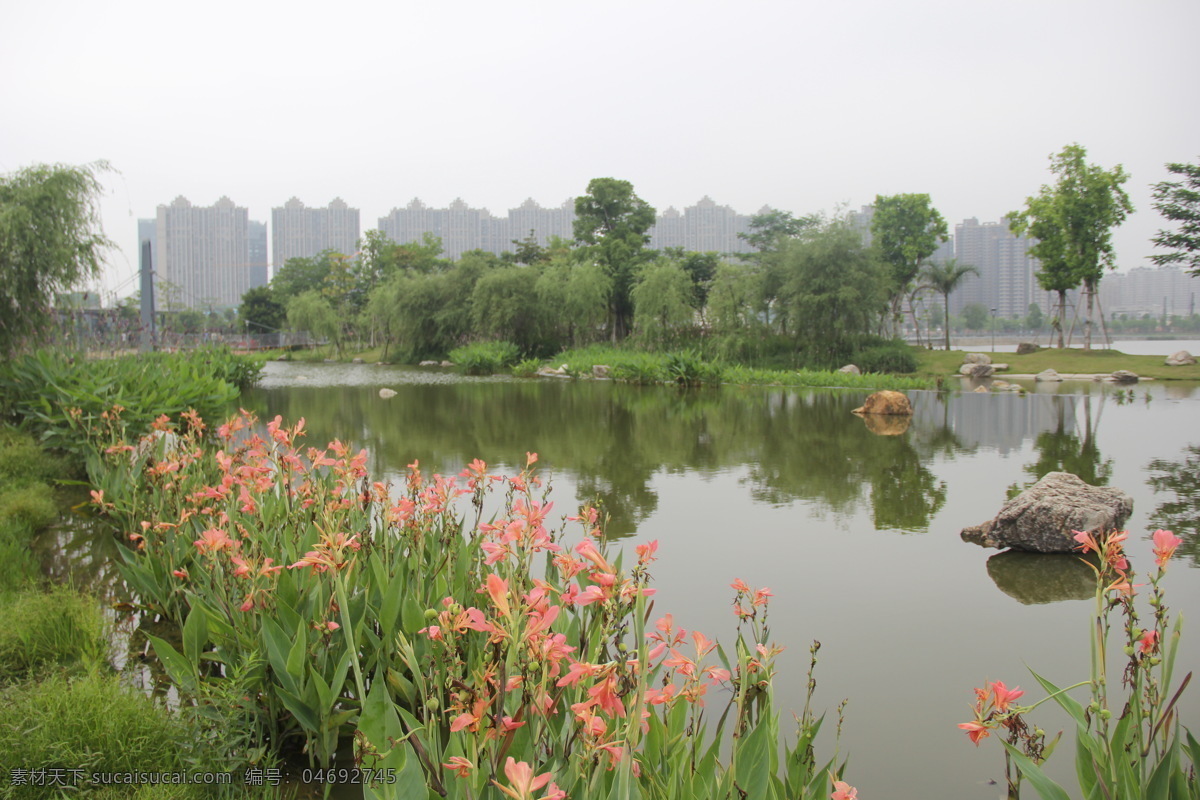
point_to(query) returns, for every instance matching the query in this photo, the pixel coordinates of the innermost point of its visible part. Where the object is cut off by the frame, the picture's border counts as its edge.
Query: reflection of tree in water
(814, 449)
(1061, 450)
(613, 439)
(1182, 514)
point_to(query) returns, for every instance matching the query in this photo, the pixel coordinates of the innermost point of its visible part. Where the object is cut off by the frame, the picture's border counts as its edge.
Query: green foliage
(614, 223)
(312, 312)
(1035, 319)
(944, 278)
(574, 297)
(260, 312)
(485, 358)
(834, 292)
(770, 229)
(505, 304)
(1179, 201)
(60, 399)
(58, 628)
(1072, 224)
(31, 506)
(95, 724)
(662, 302)
(906, 230)
(300, 275)
(894, 357)
(49, 242)
(975, 316)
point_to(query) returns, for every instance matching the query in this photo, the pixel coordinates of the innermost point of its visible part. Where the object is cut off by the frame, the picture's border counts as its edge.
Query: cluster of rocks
(979, 365)
(436, 364)
(600, 372)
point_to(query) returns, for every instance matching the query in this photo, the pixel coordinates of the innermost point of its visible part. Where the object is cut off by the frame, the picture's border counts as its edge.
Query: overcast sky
(800, 105)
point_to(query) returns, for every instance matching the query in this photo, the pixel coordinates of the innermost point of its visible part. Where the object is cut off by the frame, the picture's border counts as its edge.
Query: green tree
(312, 312)
(834, 292)
(906, 230)
(1179, 201)
(975, 316)
(771, 228)
(613, 222)
(1072, 222)
(50, 241)
(260, 312)
(300, 275)
(504, 306)
(574, 297)
(663, 302)
(1035, 319)
(944, 278)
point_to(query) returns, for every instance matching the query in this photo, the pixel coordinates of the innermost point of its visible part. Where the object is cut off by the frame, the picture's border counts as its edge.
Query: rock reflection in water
(1036, 578)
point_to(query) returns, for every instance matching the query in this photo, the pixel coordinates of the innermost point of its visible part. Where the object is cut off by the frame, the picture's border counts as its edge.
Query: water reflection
(1181, 513)
(612, 439)
(1036, 578)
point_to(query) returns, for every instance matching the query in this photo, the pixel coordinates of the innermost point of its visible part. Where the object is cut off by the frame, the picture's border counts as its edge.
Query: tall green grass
(44, 630)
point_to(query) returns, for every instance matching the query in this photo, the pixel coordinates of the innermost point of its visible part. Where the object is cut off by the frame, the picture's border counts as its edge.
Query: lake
(855, 533)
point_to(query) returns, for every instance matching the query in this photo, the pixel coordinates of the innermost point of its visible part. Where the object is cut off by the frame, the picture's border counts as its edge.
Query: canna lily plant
(448, 632)
(1132, 747)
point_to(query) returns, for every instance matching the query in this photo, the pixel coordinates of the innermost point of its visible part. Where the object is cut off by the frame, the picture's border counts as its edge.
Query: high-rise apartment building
(1157, 291)
(203, 255)
(1006, 279)
(301, 232)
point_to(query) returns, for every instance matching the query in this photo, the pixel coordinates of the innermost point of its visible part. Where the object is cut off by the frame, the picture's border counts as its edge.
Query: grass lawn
(941, 362)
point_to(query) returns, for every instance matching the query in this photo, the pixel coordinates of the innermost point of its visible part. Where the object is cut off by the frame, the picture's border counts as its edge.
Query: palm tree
(944, 278)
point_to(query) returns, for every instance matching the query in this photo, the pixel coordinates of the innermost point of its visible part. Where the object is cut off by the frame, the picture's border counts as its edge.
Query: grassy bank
(933, 363)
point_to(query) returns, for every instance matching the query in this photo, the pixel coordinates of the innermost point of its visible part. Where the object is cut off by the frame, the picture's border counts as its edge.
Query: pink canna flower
(497, 589)
(459, 765)
(843, 791)
(976, 731)
(646, 552)
(212, 540)
(1165, 543)
(1148, 642)
(1005, 696)
(520, 776)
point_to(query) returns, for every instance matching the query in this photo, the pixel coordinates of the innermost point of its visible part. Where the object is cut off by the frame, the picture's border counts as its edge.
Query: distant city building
(257, 234)
(202, 255)
(301, 232)
(1157, 291)
(1006, 279)
(703, 227)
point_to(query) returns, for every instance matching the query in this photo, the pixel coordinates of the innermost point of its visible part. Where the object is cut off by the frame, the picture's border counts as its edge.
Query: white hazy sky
(800, 105)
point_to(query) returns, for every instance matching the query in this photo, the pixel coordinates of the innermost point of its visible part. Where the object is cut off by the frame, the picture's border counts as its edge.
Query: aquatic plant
(467, 642)
(1126, 747)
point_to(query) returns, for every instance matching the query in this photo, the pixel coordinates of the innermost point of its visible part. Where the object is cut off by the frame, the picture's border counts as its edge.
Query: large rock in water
(886, 402)
(1043, 518)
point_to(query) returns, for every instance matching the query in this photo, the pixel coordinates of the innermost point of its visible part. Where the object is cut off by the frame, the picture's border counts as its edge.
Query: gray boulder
(1123, 376)
(601, 371)
(387, 393)
(428, 364)
(977, 358)
(851, 369)
(1025, 348)
(1044, 517)
(976, 370)
(1047, 376)
(1181, 359)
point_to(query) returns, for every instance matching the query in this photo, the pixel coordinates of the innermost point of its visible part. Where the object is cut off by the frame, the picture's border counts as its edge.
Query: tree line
(811, 292)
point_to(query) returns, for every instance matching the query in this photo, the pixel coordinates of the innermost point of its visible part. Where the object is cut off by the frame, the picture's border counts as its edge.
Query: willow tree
(1072, 222)
(50, 241)
(1179, 201)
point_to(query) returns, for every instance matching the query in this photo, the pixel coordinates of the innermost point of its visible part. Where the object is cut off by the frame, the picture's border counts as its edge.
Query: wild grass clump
(485, 358)
(90, 723)
(31, 507)
(58, 628)
(23, 462)
(891, 357)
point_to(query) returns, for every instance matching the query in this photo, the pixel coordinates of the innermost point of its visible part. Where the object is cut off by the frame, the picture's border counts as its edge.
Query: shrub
(891, 358)
(31, 507)
(485, 358)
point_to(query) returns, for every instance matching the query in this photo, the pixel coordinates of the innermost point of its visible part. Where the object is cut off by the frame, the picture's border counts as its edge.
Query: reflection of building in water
(1000, 422)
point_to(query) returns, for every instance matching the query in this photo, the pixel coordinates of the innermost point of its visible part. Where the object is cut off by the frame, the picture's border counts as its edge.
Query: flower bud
(1128, 650)
(1105, 714)
(1155, 661)
(432, 704)
(430, 614)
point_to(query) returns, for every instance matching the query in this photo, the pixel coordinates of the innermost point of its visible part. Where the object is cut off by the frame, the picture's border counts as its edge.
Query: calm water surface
(856, 533)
